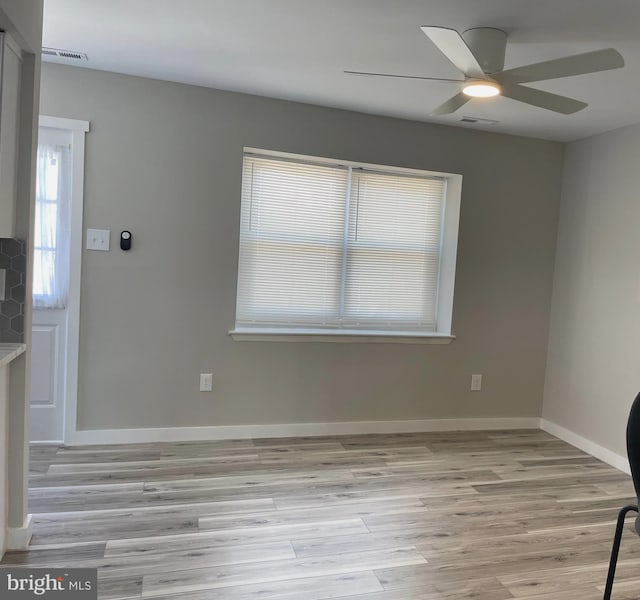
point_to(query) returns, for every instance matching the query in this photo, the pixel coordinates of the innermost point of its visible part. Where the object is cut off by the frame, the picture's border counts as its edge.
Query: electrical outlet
(206, 382)
(476, 383)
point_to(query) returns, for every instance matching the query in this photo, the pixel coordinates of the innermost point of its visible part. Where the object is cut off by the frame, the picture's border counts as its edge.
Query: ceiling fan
(479, 54)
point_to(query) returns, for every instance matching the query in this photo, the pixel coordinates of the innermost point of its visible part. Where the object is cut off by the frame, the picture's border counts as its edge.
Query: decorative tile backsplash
(13, 258)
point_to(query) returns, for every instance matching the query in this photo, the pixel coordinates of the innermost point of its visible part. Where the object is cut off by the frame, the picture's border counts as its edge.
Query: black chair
(633, 452)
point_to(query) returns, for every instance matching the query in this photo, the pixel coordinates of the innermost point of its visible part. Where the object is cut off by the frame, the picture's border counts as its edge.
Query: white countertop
(10, 351)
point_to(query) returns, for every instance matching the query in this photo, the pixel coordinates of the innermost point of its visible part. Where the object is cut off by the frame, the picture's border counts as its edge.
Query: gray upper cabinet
(9, 123)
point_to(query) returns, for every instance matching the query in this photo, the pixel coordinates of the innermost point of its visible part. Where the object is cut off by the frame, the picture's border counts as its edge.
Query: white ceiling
(298, 49)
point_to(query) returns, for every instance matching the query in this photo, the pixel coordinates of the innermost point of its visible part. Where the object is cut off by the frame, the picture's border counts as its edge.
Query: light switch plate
(98, 239)
(206, 382)
(476, 383)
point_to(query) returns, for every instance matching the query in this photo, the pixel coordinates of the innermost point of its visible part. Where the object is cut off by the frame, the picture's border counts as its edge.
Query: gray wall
(594, 346)
(164, 160)
(24, 21)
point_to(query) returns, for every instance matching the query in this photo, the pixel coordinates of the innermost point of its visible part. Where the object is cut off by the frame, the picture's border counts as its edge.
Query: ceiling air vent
(66, 55)
(478, 120)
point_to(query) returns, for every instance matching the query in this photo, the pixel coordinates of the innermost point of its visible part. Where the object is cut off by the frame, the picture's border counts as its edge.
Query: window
(51, 235)
(335, 248)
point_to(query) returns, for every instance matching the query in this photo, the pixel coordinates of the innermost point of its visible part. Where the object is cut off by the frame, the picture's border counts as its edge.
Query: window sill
(341, 336)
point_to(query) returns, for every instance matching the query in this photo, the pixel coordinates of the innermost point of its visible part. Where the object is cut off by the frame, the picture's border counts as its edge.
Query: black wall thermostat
(125, 240)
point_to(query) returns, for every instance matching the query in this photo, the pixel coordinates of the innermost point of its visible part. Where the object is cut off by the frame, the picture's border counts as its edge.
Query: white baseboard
(228, 432)
(604, 454)
(18, 538)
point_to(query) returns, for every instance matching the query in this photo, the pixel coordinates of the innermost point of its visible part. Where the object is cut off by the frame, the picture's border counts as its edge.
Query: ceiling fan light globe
(481, 89)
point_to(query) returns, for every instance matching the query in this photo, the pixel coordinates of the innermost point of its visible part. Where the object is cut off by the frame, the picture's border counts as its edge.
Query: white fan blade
(451, 44)
(451, 105)
(579, 64)
(559, 104)
(403, 76)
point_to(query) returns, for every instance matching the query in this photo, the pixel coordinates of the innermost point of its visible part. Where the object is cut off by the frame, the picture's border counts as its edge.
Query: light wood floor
(438, 516)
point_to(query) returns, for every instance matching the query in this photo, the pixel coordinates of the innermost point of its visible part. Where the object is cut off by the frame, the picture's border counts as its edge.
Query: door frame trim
(78, 130)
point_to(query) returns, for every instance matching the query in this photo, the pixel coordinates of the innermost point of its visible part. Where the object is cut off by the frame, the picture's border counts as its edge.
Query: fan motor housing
(488, 45)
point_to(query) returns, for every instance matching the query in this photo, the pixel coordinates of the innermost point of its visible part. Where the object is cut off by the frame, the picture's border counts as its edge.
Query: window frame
(446, 281)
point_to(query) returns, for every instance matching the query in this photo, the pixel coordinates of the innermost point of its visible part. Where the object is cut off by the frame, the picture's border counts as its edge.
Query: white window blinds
(393, 251)
(338, 247)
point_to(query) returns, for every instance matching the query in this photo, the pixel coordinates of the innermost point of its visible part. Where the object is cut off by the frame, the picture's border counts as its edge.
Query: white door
(51, 291)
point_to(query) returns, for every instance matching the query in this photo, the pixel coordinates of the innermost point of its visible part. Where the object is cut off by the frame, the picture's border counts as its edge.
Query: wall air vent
(63, 55)
(479, 120)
